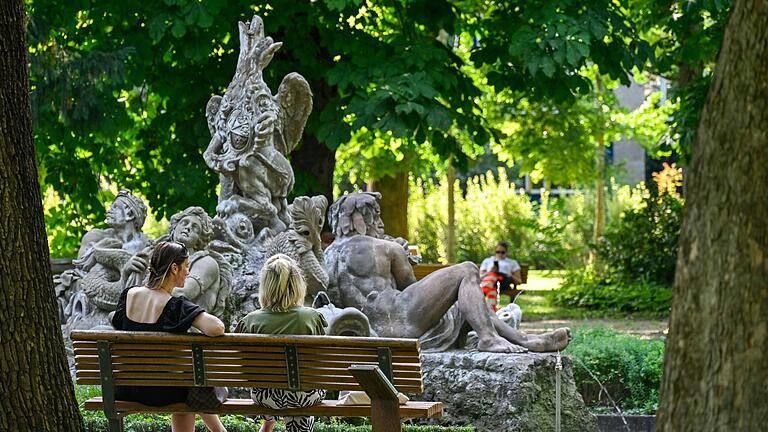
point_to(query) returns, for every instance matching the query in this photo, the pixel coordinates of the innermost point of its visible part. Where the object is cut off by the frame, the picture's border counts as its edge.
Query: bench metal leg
(385, 415)
(116, 424)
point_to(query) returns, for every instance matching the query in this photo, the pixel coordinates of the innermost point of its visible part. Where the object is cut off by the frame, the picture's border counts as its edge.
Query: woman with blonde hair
(281, 294)
(152, 308)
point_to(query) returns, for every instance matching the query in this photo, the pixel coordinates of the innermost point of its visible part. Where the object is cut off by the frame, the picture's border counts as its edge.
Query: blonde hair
(281, 286)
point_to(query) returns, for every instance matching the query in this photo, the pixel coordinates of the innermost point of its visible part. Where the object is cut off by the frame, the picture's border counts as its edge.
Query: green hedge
(95, 422)
(629, 367)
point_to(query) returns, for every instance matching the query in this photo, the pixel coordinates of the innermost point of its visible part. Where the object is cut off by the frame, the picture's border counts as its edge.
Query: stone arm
(202, 275)
(402, 270)
(332, 268)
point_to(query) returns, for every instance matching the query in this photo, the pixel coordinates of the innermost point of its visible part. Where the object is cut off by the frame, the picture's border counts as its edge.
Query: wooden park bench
(381, 367)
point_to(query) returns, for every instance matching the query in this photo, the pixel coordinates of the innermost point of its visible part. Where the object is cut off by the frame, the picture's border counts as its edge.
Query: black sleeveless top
(177, 317)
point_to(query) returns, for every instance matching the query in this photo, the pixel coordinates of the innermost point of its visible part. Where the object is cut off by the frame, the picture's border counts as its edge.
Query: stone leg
(553, 341)
(430, 298)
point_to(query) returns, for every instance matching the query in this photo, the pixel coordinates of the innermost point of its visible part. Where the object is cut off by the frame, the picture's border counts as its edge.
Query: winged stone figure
(252, 132)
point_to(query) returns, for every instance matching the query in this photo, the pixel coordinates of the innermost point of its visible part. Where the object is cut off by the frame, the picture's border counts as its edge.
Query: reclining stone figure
(373, 274)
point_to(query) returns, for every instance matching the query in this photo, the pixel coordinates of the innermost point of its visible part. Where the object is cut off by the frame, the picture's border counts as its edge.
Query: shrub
(96, 422)
(636, 261)
(644, 244)
(552, 234)
(584, 288)
(630, 368)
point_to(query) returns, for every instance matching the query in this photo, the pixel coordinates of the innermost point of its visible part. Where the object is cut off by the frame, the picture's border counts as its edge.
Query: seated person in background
(152, 308)
(509, 269)
(489, 284)
(281, 294)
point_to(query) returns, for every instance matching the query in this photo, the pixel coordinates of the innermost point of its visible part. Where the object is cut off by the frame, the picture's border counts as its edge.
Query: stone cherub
(302, 242)
(101, 266)
(252, 131)
(374, 275)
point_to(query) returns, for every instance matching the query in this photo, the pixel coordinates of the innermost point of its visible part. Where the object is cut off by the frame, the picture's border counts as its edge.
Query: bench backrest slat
(145, 359)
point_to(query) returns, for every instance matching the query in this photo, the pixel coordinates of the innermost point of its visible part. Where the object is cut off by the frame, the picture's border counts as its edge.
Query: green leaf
(533, 65)
(409, 107)
(157, 27)
(179, 29)
(547, 66)
(204, 19)
(338, 5)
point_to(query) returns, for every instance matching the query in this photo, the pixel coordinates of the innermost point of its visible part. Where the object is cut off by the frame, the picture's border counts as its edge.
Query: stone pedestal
(503, 392)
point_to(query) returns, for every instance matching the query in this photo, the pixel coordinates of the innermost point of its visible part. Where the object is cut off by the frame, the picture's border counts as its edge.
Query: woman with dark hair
(152, 308)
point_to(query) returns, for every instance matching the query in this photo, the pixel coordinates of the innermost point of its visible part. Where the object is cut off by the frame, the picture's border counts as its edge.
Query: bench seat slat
(247, 406)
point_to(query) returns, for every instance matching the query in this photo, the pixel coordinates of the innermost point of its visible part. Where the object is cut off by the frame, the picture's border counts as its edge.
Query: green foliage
(552, 40)
(551, 234)
(585, 289)
(630, 368)
(96, 422)
(636, 261)
(686, 37)
(644, 244)
(118, 88)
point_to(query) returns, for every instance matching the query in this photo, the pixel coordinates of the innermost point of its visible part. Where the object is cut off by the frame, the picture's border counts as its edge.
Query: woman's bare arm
(209, 324)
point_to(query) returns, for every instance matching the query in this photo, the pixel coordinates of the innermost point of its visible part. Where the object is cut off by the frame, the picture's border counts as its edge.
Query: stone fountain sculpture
(252, 131)
(373, 274)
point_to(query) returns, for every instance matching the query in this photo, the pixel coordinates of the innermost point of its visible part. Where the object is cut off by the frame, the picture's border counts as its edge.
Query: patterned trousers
(279, 399)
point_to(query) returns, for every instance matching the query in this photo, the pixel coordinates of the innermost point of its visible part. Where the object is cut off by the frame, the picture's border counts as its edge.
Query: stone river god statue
(373, 274)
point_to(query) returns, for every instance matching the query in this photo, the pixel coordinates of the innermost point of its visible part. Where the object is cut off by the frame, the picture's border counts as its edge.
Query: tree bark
(394, 203)
(36, 388)
(715, 375)
(599, 226)
(314, 160)
(451, 228)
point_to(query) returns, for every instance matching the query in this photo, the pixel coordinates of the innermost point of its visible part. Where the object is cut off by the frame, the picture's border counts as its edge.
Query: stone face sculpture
(210, 274)
(373, 275)
(302, 242)
(252, 131)
(101, 268)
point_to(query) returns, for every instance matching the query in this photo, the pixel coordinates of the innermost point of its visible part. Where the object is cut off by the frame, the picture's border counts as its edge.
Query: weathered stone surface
(503, 392)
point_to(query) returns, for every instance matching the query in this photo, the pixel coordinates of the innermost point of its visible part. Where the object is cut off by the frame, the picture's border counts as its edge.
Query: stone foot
(556, 340)
(499, 345)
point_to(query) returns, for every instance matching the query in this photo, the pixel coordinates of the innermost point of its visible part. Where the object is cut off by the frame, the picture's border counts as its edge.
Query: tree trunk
(394, 203)
(599, 226)
(451, 228)
(314, 162)
(36, 388)
(715, 375)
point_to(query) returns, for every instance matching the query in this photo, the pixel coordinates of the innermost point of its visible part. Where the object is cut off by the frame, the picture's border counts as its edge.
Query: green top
(299, 320)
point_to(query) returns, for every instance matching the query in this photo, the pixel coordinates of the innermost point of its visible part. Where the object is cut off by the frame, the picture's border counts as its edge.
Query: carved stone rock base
(503, 392)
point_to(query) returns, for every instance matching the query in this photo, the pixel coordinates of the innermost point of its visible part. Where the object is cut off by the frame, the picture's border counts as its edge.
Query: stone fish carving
(252, 131)
(302, 242)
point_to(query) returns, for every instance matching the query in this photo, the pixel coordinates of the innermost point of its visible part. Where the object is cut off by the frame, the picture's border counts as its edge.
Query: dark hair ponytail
(163, 256)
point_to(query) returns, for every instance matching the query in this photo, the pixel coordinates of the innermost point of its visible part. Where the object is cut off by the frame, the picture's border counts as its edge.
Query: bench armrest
(373, 381)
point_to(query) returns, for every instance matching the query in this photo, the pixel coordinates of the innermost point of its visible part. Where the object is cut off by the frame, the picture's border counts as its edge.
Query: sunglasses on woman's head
(501, 252)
